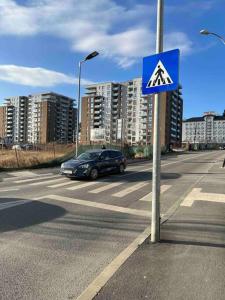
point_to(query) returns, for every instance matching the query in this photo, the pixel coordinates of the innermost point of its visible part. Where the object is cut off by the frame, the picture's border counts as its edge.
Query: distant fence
(130, 152)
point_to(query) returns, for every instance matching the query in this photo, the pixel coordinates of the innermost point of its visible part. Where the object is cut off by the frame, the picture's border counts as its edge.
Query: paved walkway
(188, 263)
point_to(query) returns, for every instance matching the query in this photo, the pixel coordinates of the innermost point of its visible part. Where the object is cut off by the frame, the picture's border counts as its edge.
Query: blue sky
(41, 42)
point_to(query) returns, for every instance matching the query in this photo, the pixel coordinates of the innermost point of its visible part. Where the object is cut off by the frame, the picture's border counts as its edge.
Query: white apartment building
(210, 128)
(105, 105)
(16, 119)
(116, 112)
(138, 123)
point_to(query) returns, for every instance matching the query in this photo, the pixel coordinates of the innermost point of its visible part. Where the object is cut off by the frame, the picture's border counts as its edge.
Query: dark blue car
(93, 163)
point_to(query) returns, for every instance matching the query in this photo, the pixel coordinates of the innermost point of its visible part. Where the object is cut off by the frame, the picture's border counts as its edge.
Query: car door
(114, 162)
(104, 163)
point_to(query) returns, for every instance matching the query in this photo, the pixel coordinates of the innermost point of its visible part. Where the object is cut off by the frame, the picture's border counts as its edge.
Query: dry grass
(21, 159)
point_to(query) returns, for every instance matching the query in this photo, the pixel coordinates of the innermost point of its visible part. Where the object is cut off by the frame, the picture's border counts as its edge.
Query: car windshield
(89, 156)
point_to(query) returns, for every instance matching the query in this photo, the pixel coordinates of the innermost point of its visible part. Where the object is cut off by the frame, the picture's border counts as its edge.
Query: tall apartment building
(39, 118)
(210, 128)
(102, 106)
(2, 122)
(13, 124)
(171, 113)
(105, 104)
(51, 117)
(138, 124)
(112, 112)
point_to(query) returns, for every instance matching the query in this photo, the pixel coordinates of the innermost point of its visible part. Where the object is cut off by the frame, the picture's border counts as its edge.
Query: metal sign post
(160, 74)
(155, 226)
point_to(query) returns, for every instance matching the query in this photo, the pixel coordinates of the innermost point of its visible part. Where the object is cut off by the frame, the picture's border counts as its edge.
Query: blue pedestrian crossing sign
(160, 72)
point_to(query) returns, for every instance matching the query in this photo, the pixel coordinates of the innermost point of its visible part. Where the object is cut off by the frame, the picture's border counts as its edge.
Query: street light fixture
(88, 57)
(206, 32)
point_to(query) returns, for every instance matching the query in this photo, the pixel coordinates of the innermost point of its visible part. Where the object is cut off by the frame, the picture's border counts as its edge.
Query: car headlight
(84, 166)
(62, 165)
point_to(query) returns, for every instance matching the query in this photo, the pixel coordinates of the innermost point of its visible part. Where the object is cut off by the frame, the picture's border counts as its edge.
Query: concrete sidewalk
(188, 263)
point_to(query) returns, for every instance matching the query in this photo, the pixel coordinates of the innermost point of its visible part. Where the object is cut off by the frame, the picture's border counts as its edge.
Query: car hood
(72, 163)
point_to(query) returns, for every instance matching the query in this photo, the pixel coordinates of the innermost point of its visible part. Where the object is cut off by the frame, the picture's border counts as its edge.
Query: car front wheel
(94, 174)
(121, 169)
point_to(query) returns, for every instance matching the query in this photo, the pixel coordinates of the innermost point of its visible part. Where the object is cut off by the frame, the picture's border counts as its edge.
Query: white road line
(35, 179)
(106, 187)
(22, 174)
(148, 197)
(6, 205)
(136, 212)
(92, 290)
(63, 183)
(197, 195)
(131, 189)
(8, 190)
(47, 181)
(79, 186)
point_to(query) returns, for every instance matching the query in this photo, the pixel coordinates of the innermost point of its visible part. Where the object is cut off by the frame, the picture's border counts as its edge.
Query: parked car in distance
(222, 148)
(92, 163)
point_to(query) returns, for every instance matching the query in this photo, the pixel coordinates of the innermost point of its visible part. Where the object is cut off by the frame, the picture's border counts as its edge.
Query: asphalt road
(57, 235)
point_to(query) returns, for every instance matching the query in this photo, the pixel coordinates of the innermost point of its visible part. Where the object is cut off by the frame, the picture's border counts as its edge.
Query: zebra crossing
(117, 189)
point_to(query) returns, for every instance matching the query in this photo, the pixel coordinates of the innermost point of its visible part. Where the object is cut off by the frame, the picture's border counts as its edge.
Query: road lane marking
(79, 186)
(63, 184)
(131, 189)
(35, 179)
(131, 211)
(148, 197)
(8, 190)
(197, 195)
(22, 174)
(46, 182)
(6, 205)
(106, 187)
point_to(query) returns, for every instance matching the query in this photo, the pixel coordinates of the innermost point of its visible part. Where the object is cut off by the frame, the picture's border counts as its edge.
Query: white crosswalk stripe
(47, 181)
(148, 197)
(8, 189)
(64, 184)
(9, 204)
(22, 174)
(106, 187)
(131, 189)
(79, 186)
(35, 179)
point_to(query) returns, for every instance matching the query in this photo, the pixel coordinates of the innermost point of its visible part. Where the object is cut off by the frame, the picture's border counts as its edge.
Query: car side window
(114, 154)
(105, 155)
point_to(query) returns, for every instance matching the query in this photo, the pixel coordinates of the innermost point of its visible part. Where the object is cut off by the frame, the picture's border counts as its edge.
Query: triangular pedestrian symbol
(159, 77)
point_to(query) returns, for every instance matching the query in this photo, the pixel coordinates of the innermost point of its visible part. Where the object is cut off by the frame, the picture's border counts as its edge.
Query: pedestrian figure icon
(159, 77)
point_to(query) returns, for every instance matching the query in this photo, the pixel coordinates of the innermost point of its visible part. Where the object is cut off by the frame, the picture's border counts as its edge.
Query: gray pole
(155, 226)
(78, 110)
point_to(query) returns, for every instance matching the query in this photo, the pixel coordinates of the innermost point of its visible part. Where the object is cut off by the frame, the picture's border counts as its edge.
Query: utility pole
(155, 226)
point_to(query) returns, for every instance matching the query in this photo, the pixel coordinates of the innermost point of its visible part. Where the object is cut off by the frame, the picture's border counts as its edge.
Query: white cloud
(36, 77)
(114, 30)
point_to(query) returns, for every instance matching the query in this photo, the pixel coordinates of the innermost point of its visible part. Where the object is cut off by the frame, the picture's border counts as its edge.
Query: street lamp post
(206, 32)
(90, 56)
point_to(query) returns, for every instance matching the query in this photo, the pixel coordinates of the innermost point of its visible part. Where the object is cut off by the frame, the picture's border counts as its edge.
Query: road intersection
(57, 235)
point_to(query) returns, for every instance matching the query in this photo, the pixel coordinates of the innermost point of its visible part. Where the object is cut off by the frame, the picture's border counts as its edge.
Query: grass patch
(18, 159)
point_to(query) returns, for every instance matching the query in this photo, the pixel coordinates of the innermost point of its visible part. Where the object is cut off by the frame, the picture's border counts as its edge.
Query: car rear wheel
(94, 174)
(121, 169)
